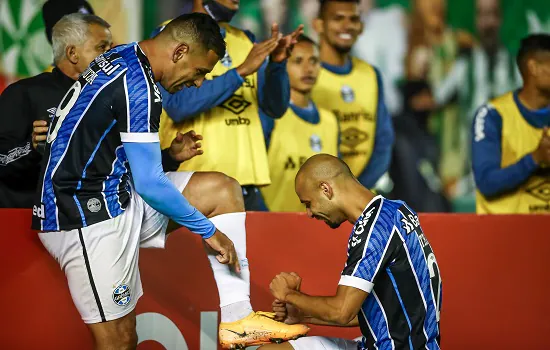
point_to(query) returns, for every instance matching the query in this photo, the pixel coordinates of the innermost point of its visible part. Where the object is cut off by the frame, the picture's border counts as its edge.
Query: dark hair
(323, 5)
(530, 45)
(201, 28)
(305, 39)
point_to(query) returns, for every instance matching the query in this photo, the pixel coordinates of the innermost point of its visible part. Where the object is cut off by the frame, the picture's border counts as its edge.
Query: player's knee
(227, 189)
(128, 339)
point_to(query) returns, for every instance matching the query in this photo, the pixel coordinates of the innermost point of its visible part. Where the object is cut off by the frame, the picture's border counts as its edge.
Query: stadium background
(494, 268)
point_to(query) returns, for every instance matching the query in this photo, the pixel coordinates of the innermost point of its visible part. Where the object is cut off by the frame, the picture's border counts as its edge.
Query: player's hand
(225, 250)
(541, 155)
(285, 44)
(287, 313)
(39, 132)
(185, 146)
(257, 56)
(283, 283)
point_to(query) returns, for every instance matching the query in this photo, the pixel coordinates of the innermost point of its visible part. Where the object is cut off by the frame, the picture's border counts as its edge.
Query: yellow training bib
(518, 139)
(293, 141)
(233, 137)
(353, 98)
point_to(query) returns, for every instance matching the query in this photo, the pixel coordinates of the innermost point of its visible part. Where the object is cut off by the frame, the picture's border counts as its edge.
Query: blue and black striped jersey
(390, 258)
(85, 177)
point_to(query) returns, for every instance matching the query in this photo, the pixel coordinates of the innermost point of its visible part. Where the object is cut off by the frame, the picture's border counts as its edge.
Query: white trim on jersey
(370, 231)
(149, 99)
(140, 137)
(356, 282)
(415, 276)
(69, 142)
(125, 83)
(385, 318)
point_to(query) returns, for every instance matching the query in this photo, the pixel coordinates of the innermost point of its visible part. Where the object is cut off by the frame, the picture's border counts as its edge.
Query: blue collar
(309, 114)
(537, 118)
(340, 70)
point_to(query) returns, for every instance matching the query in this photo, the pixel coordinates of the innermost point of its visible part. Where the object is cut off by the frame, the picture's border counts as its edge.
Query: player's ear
(317, 25)
(180, 51)
(327, 190)
(71, 54)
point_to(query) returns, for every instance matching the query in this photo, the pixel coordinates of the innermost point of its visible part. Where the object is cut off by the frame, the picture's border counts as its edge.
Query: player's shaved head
(323, 167)
(321, 183)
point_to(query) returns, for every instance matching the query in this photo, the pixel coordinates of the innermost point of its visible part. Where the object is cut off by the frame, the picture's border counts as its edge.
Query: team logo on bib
(94, 205)
(122, 295)
(315, 143)
(226, 60)
(347, 94)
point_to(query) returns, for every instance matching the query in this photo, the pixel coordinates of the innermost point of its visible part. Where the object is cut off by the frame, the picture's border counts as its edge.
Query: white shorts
(324, 343)
(101, 260)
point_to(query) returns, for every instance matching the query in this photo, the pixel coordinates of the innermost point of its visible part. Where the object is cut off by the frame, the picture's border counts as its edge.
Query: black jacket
(21, 104)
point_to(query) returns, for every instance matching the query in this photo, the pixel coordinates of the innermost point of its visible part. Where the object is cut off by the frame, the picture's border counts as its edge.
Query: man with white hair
(77, 40)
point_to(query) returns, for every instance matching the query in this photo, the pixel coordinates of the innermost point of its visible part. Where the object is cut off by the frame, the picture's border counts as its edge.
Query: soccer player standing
(103, 192)
(390, 285)
(353, 90)
(511, 142)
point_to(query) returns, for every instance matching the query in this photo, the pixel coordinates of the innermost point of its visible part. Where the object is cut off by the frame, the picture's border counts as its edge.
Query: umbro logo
(51, 112)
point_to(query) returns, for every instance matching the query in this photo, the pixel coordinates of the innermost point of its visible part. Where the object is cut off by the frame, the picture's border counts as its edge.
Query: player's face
(99, 41)
(340, 25)
(318, 204)
(230, 4)
(189, 68)
(303, 67)
(542, 72)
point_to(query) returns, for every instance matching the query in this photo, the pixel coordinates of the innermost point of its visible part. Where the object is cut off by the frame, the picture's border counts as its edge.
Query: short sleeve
(371, 247)
(140, 106)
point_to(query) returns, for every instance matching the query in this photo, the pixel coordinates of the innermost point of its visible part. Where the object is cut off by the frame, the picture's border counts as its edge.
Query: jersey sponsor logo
(292, 163)
(541, 191)
(347, 94)
(122, 295)
(315, 143)
(105, 64)
(479, 125)
(353, 137)
(89, 75)
(348, 117)
(410, 223)
(363, 221)
(15, 154)
(236, 104)
(94, 205)
(39, 212)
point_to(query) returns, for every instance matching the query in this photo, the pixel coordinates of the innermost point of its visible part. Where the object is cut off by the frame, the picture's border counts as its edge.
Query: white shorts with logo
(325, 343)
(101, 260)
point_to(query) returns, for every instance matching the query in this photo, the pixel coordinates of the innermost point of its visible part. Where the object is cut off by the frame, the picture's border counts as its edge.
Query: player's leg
(314, 343)
(101, 266)
(219, 197)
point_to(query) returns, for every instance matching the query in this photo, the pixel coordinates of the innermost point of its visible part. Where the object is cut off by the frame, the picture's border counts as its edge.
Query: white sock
(233, 288)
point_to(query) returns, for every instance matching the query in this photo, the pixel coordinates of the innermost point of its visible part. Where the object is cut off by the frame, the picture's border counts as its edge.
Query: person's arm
(380, 159)
(273, 89)
(17, 154)
(318, 322)
(190, 102)
(183, 147)
(268, 124)
(491, 179)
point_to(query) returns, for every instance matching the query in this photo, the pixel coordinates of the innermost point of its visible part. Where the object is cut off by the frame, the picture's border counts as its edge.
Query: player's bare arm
(340, 309)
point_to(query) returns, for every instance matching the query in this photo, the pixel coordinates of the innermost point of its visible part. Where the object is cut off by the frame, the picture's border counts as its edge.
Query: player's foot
(256, 329)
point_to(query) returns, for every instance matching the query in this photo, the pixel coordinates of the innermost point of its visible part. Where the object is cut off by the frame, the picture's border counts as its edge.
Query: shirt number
(63, 110)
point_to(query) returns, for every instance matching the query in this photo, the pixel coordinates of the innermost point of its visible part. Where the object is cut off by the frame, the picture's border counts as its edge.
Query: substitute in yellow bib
(225, 110)
(511, 142)
(352, 89)
(302, 132)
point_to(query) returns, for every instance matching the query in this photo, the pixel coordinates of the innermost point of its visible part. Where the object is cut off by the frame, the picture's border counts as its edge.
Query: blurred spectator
(353, 90)
(77, 40)
(511, 143)
(483, 72)
(225, 110)
(384, 46)
(303, 131)
(54, 10)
